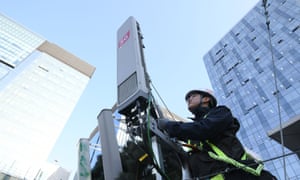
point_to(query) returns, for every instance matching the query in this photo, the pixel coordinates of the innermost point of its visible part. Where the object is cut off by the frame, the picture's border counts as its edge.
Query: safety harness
(219, 155)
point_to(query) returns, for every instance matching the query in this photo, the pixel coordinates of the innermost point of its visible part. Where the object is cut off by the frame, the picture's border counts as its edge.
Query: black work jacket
(219, 127)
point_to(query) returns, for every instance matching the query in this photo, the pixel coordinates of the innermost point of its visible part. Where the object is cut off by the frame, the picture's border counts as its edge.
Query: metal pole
(110, 152)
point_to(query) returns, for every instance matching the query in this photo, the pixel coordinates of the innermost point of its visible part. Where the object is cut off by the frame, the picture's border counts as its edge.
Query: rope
(276, 86)
(165, 105)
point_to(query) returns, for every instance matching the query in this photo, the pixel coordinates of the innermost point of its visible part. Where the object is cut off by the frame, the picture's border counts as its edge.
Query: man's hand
(162, 123)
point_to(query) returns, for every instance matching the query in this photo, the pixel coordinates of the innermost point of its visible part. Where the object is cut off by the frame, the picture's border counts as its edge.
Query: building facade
(254, 80)
(40, 84)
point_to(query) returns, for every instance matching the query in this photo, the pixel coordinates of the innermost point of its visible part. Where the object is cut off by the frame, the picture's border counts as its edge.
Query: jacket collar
(199, 112)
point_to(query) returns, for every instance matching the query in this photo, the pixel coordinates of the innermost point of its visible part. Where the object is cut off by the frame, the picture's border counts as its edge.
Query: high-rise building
(40, 84)
(254, 80)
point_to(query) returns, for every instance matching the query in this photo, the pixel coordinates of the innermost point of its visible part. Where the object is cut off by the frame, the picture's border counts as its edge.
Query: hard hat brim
(204, 93)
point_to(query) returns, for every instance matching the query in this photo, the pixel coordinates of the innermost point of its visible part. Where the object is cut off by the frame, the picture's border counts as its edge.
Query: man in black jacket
(212, 136)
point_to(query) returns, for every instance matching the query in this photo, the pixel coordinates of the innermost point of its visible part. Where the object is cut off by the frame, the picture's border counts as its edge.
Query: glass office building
(40, 84)
(254, 80)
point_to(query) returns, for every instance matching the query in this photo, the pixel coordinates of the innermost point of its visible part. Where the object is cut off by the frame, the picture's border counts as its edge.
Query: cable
(162, 101)
(155, 163)
(275, 82)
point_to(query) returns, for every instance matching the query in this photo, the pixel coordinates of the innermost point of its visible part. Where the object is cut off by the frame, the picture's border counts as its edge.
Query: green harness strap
(220, 156)
(218, 177)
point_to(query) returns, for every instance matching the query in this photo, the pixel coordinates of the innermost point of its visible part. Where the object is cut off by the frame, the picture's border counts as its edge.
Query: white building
(40, 84)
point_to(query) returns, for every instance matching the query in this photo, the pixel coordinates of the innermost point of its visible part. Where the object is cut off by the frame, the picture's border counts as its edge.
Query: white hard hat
(205, 92)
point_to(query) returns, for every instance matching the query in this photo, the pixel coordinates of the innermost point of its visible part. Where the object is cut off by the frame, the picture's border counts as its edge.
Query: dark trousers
(202, 168)
(240, 174)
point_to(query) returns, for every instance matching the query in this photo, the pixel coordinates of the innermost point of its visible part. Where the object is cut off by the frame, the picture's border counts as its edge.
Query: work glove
(162, 123)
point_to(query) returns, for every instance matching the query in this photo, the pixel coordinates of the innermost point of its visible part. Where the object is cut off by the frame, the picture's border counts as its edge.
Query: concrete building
(40, 84)
(254, 80)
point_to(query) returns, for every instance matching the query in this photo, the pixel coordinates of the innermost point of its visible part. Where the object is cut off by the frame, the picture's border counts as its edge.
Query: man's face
(193, 101)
